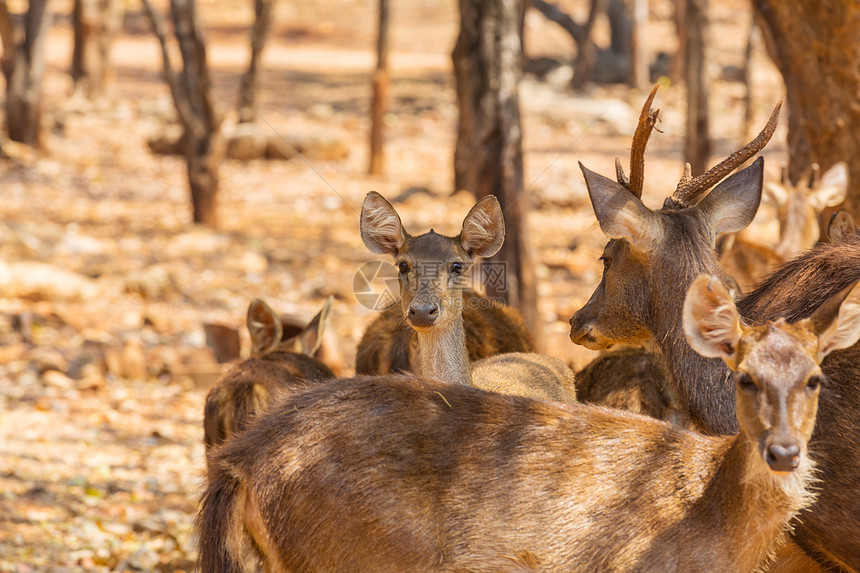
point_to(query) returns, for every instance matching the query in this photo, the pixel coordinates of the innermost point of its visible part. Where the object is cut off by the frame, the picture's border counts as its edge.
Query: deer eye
(745, 382)
(814, 382)
(456, 268)
(606, 262)
(403, 267)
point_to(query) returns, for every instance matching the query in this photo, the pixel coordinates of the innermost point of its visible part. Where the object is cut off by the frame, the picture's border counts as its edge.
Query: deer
(649, 249)
(276, 366)
(389, 473)
(798, 207)
(432, 271)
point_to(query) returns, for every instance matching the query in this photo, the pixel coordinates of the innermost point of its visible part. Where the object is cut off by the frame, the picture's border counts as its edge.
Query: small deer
(277, 366)
(652, 254)
(432, 270)
(390, 473)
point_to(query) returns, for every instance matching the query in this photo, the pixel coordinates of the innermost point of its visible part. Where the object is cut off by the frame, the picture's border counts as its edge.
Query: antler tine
(647, 120)
(689, 191)
(687, 175)
(815, 176)
(619, 173)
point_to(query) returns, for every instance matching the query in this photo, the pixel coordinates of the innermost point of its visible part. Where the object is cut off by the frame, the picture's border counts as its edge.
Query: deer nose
(783, 458)
(423, 314)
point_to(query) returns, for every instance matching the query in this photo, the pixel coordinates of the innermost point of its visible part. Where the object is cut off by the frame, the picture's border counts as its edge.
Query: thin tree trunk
(380, 92)
(752, 40)
(462, 59)
(95, 23)
(247, 108)
(497, 160)
(697, 147)
(24, 68)
(192, 95)
(821, 83)
(638, 50)
(676, 72)
(586, 50)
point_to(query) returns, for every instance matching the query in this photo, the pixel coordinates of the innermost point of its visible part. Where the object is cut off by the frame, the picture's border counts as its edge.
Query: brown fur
(633, 301)
(389, 345)
(390, 474)
(746, 261)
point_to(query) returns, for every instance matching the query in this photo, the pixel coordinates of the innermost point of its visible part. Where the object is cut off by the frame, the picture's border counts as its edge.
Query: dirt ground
(105, 285)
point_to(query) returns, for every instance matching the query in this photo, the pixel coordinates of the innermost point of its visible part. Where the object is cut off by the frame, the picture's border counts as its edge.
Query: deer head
(776, 365)
(268, 333)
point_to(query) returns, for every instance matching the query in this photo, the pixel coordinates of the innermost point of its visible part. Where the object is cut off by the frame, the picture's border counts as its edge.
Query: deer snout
(423, 314)
(584, 334)
(783, 458)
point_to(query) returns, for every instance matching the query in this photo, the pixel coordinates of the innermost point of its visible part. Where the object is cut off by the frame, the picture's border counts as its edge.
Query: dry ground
(103, 364)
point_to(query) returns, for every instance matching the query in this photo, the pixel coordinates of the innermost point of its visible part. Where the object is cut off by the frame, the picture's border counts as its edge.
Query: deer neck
(758, 503)
(442, 353)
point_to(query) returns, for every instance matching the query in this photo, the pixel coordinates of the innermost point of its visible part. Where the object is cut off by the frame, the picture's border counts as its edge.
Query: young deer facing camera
(280, 366)
(432, 270)
(390, 473)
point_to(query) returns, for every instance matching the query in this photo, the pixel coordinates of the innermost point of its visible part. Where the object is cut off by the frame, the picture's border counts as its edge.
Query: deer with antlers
(652, 254)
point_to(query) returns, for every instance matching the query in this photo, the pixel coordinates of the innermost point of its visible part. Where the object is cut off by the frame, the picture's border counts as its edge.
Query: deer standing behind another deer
(390, 473)
(277, 366)
(432, 274)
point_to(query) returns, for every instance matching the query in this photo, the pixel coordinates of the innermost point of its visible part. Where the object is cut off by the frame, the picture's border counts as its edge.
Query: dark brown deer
(391, 473)
(279, 366)
(432, 274)
(654, 254)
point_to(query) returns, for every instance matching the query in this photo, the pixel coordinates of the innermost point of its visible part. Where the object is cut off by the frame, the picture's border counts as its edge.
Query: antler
(647, 120)
(689, 189)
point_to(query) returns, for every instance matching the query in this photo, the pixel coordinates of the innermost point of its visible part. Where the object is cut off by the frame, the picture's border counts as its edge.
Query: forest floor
(105, 285)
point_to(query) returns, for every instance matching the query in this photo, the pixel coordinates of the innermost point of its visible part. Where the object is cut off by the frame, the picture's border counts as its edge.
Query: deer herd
(717, 430)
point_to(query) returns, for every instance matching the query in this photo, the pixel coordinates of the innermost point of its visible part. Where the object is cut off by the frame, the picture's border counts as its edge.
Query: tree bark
(492, 48)
(23, 66)
(816, 47)
(192, 95)
(247, 108)
(697, 146)
(586, 50)
(639, 76)
(95, 23)
(380, 92)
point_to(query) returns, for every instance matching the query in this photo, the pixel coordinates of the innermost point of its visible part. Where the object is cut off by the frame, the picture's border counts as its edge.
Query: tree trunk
(586, 50)
(462, 58)
(639, 76)
(380, 92)
(816, 46)
(491, 47)
(192, 95)
(24, 68)
(259, 33)
(752, 40)
(95, 23)
(697, 146)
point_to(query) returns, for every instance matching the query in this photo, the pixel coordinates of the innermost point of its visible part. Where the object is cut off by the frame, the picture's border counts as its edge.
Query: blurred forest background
(118, 312)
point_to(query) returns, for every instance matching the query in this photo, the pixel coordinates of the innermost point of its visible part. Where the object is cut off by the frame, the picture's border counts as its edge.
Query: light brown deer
(798, 209)
(653, 254)
(432, 273)
(278, 366)
(405, 474)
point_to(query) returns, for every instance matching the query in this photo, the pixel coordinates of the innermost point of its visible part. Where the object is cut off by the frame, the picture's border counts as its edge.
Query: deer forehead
(434, 247)
(779, 353)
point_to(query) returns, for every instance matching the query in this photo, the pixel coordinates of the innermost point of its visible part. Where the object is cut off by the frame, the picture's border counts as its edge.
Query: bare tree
(816, 46)
(259, 33)
(489, 49)
(380, 92)
(192, 95)
(95, 23)
(697, 147)
(23, 65)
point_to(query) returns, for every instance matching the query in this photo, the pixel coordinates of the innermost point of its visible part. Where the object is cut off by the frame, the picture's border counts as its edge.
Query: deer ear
(732, 205)
(833, 188)
(381, 229)
(837, 322)
(620, 213)
(264, 326)
(483, 228)
(711, 320)
(841, 225)
(310, 337)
